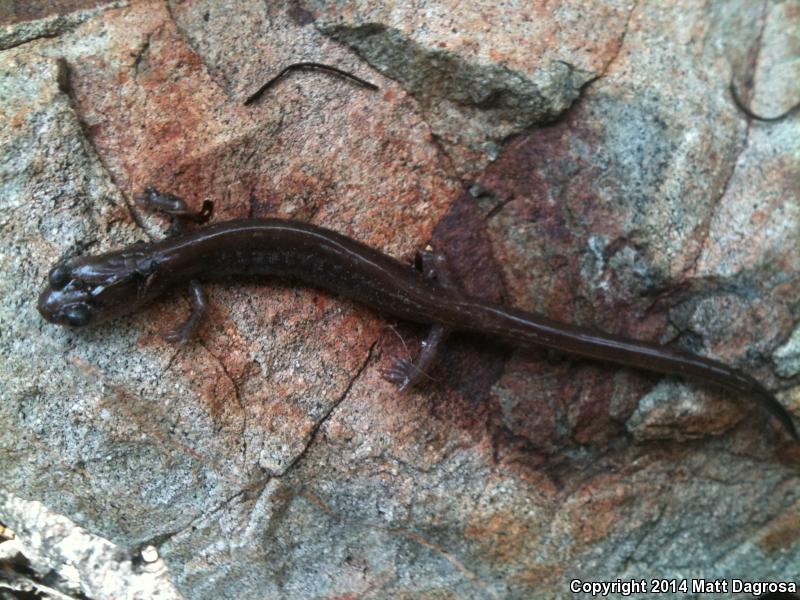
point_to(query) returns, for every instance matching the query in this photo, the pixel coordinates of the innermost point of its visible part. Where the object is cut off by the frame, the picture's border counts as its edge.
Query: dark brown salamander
(91, 289)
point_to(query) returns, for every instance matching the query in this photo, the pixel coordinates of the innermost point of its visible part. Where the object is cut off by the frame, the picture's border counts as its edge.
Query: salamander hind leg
(405, 373)
(183, 332)
(434, 266)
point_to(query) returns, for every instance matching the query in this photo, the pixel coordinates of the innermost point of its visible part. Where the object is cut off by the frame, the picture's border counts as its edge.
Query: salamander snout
(64, 301)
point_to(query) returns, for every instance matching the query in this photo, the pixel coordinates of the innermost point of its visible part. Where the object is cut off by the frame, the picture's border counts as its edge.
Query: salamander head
(90, 290)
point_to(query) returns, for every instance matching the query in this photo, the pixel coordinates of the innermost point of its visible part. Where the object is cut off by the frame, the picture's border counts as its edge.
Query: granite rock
(583, 160)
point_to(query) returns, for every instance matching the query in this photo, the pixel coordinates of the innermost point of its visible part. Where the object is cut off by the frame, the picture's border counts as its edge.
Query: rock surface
(585, 160)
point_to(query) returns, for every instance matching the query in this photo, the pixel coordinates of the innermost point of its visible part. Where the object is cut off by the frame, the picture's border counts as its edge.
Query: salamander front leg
(405, 373)
(175, 207)
(184, 331)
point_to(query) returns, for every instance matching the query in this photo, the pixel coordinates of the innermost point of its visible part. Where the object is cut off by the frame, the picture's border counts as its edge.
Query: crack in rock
(313, 435)
(238, 396)
(622, 38)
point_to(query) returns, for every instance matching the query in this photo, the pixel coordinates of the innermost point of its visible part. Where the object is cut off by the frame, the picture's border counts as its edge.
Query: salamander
(91, 289)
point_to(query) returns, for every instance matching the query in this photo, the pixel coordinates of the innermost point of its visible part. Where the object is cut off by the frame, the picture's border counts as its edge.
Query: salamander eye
(77, 315)
(59, 277)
